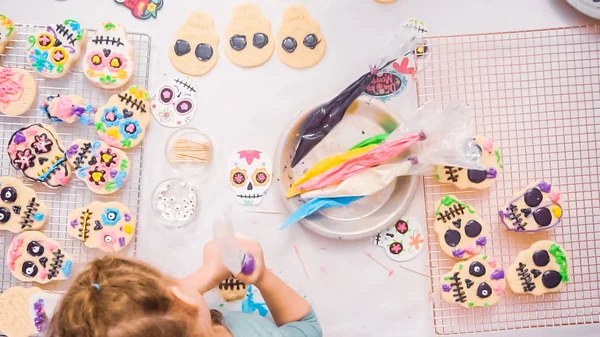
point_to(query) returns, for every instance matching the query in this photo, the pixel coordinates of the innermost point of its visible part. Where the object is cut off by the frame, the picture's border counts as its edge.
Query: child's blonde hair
(117, 297)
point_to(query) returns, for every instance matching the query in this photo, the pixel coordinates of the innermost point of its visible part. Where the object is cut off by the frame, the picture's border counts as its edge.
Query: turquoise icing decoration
(38, 216)
(111, 216)
(66, 268)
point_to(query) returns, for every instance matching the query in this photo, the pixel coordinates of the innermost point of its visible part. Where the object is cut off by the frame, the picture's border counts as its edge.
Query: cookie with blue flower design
(109, 226)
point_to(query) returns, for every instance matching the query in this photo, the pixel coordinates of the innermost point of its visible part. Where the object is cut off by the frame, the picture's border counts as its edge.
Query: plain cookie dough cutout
(250, 42)
(108, 226)
(476, 282)
(300, 32)
(533, 209)
(32, 257)
(540, 269)
(469, 178)
(461, 232)
(8, 31)
(18, 90)
(20, 208)
(195, 49)
(232, 289)
(14, 312)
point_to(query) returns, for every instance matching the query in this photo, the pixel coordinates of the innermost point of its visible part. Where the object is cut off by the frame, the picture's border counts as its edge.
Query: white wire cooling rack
(61, 201)
(537, 95)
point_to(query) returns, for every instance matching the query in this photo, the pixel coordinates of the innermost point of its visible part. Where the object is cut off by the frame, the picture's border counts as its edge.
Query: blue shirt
(250, 325)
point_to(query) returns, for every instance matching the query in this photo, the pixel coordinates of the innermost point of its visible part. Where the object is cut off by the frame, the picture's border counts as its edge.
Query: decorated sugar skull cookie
(107, 226)
(20, 207)
(18, 91)
(52, 51)
(476, 282)
(36, 151)
(103, 168)
(124, 120)
(250, 175)
(422, 47)
(67, 109)
(251, 42)
(42, 305)
(471, 178)
(543, 268)
(301, 43)
(109, 57)
(174, 104)
(402, 241)
(461, 232)
(232, 289)
(7, 32)
(32, 257)
(534, 209)
(194, 50)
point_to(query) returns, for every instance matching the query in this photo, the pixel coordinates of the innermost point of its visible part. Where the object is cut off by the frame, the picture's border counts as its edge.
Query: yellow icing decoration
(96, 60)
(128, 229)
(64, 53)
(122, 74)
(137, 92)
(96, 176)
(115, 62)
(556, 211)
(113, 132)
(325, 165)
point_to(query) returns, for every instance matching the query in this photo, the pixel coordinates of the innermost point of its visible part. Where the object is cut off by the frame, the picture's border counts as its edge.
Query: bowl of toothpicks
(189, 151)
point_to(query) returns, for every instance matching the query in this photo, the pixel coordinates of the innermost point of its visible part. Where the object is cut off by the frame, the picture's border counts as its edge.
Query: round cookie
(543, 268)
(53, 50)
(14, 312)
(533, 209)
(108, 226)
(18, 89)
(194, 51)
(300, 41)
(67, 109)
(20, 208)
(109, 57)
(174, 104)
(476, 282)
(124, 120)
(8, 31)
(461, 232)
(32, 257)
(103, 168)
(250, 41)
(232, 289)
(36, 151)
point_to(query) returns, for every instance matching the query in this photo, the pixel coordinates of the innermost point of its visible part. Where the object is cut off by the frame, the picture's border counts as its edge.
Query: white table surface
(247, 108)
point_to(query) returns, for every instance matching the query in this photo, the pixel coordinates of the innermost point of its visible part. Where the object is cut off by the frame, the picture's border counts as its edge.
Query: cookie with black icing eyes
(300, 41)
(250, 41)
(20, 207)
(533, 209)
(194, 51)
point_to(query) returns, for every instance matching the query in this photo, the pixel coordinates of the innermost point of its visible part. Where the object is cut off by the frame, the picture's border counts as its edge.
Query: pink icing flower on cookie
(24, 159)
(488, 145)
(63, 108)
(11, 149)
(554, 196)
(499, 290)
(470, 250)
(61, 178)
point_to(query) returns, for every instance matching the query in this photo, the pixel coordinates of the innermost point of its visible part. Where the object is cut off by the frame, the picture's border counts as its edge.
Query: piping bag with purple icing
(232, 256)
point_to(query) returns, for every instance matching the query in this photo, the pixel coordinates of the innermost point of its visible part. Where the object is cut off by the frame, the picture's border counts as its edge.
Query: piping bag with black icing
(232, 255)
(326, 116)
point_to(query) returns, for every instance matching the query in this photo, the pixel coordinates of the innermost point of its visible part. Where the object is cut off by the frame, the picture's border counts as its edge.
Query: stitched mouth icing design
(525, 277)
(452, 171)
(82, 155)
(185, 85)
(458, 289)
(250, 196)
(232, 283)
(30, 210)
(66, 33)
(108, 40)
(56, 264)
(452, 212)
(135, 103)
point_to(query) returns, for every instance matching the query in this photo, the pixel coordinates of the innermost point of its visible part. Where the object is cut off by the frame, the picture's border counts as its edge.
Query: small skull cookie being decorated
(472, 178)
(107, 226)
(18, 91)
(52, 51)
(7, 32)
(67, 109)
(36, 151)
(174, 104)
(301, 43)
(232, 289)
(543, 268)
(20, 207)
(103, 168)
(251, 42)
(461, 232)
(32, 257)
(124, 120)
(534, 209)
(476, 282)
(194, 50)
(109, 57)
(250, 175)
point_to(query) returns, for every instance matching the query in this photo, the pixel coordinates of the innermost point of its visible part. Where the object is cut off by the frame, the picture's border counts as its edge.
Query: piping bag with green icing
(232, 255)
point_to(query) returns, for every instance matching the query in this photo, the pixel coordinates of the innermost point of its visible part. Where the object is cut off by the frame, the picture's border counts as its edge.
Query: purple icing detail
(498, 274)
(127, 217)
(19, 137)
(458, 252)
(491, 172)
(73, 223)
(72, 150)
(113, 173)
(545, 187)
(77, 110)
(40, 315)
(446, 288)
(482, 241)
(122, 241)
(413, 160)
(248, 264)
(422, 136)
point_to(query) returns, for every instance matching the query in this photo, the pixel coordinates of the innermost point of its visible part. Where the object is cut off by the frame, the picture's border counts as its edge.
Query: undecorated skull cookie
(301, 43)
(103, 168)
(251, 42)
(32, 257)
(461, 232)
(53, 50)
(250, 175)
(36, 151)
(67, 109)
(109, 226)
(174, 104)
(472, 178)
(476, 282)
(536, 208)
(7, 32)
(402, 241)
(14, 312)
(543, 268)
(124, 120)
(109, 57)
(194, 50)
(232, 289)
(18, 91)
(20, 208)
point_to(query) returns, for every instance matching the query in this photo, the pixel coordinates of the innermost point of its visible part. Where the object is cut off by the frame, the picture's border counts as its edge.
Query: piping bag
(232, 255)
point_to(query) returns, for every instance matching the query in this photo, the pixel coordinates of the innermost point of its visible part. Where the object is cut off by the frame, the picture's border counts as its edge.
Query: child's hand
(212, 265)
(255, 249)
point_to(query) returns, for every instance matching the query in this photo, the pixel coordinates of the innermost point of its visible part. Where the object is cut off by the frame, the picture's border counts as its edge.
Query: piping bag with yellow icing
(232, 255)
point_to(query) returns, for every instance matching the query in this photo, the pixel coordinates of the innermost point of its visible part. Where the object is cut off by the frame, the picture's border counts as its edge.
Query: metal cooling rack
(61, 201)
(537, 95)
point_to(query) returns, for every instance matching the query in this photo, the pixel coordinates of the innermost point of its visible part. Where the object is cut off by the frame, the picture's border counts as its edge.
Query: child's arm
(285, 304)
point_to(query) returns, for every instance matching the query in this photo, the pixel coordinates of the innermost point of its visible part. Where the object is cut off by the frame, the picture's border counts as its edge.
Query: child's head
(117, 297)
